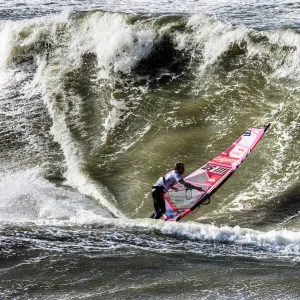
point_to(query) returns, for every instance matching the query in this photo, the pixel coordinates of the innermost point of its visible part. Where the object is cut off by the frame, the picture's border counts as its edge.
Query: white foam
(7, 42)
(118, 45)
(208, 32)
(286, 64)
(113, 118)
(27, 197)
(282, 241)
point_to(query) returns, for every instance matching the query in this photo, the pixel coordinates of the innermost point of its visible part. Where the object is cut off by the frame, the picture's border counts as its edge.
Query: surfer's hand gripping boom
(189, 185)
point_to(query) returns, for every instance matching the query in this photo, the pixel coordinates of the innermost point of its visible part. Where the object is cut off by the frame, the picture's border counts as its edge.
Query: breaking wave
(103, 103)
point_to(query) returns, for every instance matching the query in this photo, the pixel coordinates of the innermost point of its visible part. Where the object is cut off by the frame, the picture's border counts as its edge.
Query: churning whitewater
(98, 101)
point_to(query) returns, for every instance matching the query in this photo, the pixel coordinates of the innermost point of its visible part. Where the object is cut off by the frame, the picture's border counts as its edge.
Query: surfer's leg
(160, 206)
(153, 193)
(159, 202)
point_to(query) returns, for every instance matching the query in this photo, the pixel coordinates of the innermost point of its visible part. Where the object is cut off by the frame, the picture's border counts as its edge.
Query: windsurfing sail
(211, 176)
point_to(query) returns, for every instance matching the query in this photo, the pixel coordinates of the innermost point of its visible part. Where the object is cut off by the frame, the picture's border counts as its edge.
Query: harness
(160, 187)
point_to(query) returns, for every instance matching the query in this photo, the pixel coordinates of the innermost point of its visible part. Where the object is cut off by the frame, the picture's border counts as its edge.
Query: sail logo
(238, 152)
(224, 160)
(215, 169)
(247, 133)
(213, 179)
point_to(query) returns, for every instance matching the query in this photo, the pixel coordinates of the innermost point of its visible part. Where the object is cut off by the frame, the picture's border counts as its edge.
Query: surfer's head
(179, 167)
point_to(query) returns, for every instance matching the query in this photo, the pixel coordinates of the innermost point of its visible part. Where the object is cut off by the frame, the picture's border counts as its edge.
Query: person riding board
(163, 184)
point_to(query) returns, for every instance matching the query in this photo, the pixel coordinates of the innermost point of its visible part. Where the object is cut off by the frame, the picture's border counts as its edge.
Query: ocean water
(100, 98)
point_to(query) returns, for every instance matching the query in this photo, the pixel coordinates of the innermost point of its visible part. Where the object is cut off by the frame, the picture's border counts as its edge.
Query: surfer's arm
(189, 185)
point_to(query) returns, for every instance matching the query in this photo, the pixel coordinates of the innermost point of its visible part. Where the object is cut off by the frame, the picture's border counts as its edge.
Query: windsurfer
(163, 184)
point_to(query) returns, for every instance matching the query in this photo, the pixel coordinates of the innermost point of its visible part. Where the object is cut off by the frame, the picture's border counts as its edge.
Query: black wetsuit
(159, 202)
